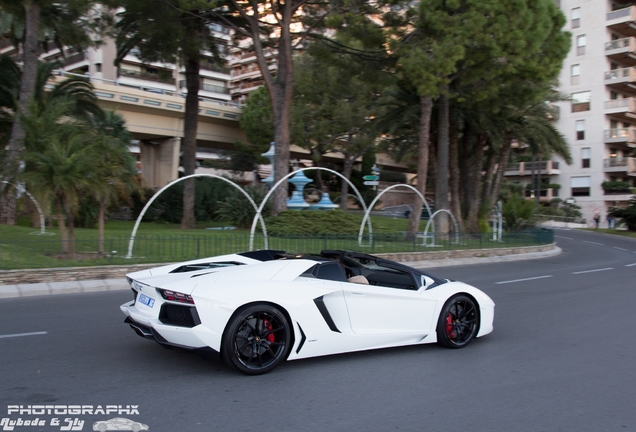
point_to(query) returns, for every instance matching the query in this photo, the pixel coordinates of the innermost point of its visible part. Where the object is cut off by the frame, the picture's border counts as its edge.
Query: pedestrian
(610, 221)
(597, 219)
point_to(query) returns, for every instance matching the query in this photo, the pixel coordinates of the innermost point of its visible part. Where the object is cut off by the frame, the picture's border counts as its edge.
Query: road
(561, 358)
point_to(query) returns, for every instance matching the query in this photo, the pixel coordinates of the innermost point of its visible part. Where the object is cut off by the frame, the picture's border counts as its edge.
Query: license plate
(144, 299)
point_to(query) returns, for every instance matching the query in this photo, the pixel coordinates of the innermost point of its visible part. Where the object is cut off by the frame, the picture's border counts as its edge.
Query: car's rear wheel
(458, 323)
(257, 338)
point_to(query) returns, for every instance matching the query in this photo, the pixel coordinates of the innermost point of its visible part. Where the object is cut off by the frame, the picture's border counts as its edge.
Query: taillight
(175, 296)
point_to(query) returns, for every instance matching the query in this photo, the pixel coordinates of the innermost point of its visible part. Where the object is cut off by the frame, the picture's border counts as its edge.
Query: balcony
(165, 78)
(622, 50)
(545, 195)
(521, 169)
(622, 109)
(622, 21)
(622, 80)
(213, 67)
(207, 87)
(626, 165)
(626, 136)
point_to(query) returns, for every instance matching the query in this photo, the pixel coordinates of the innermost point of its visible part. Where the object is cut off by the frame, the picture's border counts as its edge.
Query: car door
(381, 309)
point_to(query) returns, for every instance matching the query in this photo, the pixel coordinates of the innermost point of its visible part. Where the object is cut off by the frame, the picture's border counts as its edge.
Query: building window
(576, 17)
(576, 71)
(580, 130)
(585, 157)
(580, 45)
(98, 67)
(581, 101)
(580, 186)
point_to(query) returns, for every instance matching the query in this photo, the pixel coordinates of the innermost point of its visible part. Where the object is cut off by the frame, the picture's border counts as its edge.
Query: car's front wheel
(458, 323)
(257, 338)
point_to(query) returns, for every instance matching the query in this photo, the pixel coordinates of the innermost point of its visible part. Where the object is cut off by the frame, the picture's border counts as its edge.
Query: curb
(27, 289)
(71, 287)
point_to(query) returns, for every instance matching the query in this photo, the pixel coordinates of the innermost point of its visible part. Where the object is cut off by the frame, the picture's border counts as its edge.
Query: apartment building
(599, 122)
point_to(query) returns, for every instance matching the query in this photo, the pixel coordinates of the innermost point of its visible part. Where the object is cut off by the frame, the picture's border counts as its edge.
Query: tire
(102, 427)
(256, 339)
(458, 322)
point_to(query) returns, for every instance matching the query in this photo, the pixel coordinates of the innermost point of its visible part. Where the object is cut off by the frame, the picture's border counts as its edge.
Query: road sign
(371, 177)
(371, 183)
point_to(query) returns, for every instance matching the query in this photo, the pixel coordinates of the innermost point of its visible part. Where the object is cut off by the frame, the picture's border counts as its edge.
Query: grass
(618, 232)
(22, 247)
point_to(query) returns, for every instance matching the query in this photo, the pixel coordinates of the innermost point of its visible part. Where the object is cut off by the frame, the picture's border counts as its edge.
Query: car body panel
(327, 316)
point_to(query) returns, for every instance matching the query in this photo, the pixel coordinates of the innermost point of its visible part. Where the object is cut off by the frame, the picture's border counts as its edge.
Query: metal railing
(51, 253)
(620, 13)
(617, 44)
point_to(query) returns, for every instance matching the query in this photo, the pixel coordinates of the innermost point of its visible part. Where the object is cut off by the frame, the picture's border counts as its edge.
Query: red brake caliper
(268, 326)
(449, 326)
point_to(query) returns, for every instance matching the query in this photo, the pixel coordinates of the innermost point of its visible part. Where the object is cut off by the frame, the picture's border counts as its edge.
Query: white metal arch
(172, 183)
(291, 174)
(37, 205)
(367, 212)
(430, 221)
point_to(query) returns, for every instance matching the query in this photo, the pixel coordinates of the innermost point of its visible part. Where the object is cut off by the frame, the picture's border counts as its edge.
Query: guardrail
(543, 218)
(50, 253)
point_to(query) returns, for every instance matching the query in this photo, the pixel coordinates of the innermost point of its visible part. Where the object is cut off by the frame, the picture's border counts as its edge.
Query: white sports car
(260, 308)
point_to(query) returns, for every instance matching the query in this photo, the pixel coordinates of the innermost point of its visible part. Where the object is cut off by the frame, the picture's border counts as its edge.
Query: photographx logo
(66, 417)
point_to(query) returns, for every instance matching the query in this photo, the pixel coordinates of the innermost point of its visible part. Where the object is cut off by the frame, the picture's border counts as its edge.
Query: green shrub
(518, 213)
(313, 222)
(168, 207)
(616, 186)
(236, 209)
(627, 214)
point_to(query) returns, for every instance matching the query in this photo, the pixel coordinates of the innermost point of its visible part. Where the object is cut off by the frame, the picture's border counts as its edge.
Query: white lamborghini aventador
(257, 309)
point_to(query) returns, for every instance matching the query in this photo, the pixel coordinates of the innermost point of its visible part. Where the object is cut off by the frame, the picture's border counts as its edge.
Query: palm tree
(31, 25)
(59, 161)
(77, 92)
(113, 165)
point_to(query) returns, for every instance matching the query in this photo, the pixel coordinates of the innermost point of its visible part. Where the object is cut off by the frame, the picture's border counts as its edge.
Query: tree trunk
(472, 220)
(426, 108)
(441, 182)
(189, 146)
(71, 231)
(346, 171)
(100, 228)
(282, 114)
(504, 156)
(486, 193)
(27, 89)
(454, 177)
(538, 188)
(465, 162)
(61, 225)
(316, 158)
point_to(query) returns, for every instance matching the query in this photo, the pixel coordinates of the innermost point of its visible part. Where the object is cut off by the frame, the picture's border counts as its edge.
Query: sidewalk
(119, 283)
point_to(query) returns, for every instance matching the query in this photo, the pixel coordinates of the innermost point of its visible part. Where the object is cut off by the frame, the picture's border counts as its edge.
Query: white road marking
(598, 244)
(563, 237)
(592, 271)
(630, 265)
(22, 334)
(623, 249)
(523, 280)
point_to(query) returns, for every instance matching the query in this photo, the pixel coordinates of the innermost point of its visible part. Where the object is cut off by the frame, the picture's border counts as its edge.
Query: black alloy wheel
(458, 323)
(256, 339)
